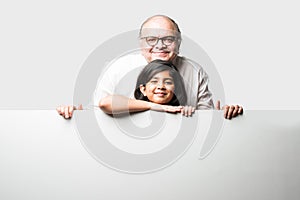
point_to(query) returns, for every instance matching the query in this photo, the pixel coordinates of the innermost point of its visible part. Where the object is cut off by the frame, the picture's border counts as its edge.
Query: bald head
(160, 22)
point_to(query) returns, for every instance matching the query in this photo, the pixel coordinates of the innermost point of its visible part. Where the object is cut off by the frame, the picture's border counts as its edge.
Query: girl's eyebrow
(164, 79)
(154, 77)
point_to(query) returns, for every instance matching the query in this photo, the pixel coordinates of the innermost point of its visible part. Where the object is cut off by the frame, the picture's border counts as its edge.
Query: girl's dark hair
(157, 66)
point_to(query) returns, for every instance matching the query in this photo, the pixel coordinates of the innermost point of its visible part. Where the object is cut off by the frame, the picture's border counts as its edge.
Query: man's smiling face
(159, 39)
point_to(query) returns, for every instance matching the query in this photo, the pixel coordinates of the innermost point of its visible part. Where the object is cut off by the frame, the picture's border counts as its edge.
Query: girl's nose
(160, 85)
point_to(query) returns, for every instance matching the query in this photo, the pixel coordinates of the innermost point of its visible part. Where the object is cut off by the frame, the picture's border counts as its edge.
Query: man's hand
(67, 111)
(230, 111)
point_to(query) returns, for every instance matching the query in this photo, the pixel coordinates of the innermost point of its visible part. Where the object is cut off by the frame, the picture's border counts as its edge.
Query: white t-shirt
(121, 74)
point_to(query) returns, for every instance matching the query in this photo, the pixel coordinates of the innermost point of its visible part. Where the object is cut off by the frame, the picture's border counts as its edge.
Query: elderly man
(160, 38)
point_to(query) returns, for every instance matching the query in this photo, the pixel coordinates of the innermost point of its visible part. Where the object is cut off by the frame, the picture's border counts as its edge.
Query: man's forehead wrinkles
(154, 32)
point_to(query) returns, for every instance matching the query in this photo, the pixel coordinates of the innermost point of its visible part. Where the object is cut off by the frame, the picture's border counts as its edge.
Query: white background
(42, 158)
(254, 45)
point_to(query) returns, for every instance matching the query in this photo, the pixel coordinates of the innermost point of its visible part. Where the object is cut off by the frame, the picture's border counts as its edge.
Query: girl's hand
(187, 111)
(165, 108)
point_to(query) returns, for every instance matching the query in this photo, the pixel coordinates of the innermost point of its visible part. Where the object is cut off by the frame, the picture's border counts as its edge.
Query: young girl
(159, 87)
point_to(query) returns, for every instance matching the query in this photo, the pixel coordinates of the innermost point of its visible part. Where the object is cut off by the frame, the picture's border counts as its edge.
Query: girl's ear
(143, 90)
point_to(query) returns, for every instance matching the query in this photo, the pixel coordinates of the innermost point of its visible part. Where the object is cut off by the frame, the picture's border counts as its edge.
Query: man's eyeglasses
(152, 41)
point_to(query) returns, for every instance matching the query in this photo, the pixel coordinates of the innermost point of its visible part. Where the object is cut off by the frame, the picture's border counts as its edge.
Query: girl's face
(160, 88)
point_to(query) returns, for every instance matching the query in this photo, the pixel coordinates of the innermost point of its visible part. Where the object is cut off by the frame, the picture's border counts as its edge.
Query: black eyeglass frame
(163, 40)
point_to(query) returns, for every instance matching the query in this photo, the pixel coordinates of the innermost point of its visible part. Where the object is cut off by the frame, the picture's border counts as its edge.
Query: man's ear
(143, 90)
(178, 45)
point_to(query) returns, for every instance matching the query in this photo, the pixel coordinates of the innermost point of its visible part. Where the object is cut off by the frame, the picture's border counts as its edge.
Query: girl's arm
(117, 104)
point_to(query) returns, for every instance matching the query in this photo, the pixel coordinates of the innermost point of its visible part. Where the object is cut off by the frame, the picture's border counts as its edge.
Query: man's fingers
(58, 109)
(80, 107)
(235, 111)
(66, 112)
(62, 110)
(240, 111)
(226, 109)
(71, 108)
(230, 112)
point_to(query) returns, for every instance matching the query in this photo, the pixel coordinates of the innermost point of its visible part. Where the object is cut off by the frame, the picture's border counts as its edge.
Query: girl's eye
(169, 83)
(153, 82)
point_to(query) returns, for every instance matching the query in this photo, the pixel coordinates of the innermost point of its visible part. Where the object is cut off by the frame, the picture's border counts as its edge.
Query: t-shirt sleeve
(119, 77)
(204, 96)
(105, 86)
